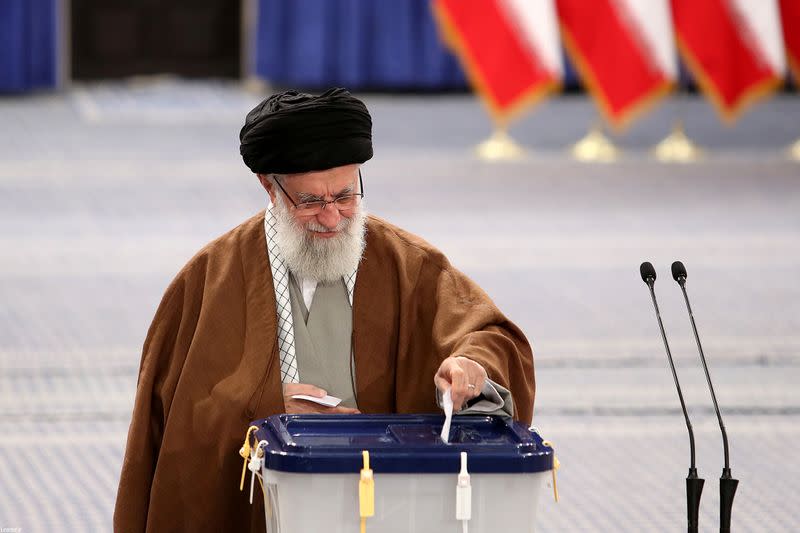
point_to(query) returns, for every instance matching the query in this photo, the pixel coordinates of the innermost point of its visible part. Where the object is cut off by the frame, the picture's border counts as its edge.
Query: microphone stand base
(694, 491)
(727, 490)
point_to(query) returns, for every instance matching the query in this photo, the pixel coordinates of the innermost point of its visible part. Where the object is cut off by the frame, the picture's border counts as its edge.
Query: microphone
(694, 484)
(727, 485)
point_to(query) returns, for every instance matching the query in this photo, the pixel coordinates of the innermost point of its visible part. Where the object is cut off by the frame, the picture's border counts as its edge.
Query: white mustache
(342, 225)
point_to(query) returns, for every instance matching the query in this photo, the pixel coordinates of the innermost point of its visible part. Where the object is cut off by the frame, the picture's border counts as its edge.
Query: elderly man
(314, 297)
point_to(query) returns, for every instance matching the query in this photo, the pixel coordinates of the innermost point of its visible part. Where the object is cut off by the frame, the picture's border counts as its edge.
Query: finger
(476, 376)
(441, 383)
(459, 391)
(290, 389)
(475, 385)
(442, 376)
(345, 410)
(297, 407)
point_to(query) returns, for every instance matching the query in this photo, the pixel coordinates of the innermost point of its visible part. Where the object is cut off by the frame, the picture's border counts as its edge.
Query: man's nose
(329, 216)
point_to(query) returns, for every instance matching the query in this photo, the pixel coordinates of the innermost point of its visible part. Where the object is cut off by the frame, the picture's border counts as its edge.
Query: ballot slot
(460, 433)
(425, 434)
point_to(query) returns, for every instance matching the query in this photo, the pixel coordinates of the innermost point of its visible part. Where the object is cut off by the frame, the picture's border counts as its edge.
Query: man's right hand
(297, 406)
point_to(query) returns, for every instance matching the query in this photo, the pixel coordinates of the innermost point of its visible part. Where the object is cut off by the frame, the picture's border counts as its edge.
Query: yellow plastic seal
(244, 451)
(556, 466)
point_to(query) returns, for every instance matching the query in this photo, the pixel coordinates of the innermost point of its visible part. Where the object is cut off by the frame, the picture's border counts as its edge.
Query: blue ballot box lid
(399, 444)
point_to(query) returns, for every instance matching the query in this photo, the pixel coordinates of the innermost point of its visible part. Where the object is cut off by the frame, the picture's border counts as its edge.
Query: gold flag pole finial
(794, 150)
(677, 147)
(595, 147)
(500, 146)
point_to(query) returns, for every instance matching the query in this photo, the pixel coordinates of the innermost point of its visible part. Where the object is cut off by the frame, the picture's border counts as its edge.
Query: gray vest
(322, 339)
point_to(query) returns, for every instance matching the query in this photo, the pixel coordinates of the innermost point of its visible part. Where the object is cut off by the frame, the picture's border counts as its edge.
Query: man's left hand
(464, 377)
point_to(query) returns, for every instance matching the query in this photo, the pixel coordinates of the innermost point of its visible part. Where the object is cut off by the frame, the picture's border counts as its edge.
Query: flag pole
(500, 147)
(595, 147)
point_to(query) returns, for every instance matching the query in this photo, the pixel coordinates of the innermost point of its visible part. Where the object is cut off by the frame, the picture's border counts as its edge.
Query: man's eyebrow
(308, 197)
(305, 197)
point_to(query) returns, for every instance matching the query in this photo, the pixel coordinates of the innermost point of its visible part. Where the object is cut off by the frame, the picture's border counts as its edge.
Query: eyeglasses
(344, 202)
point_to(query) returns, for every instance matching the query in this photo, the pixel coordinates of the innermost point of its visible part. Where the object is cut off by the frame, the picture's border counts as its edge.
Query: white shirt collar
(308, 287)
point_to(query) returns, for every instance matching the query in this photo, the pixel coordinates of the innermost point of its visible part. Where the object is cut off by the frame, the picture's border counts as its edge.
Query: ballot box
(317, 477)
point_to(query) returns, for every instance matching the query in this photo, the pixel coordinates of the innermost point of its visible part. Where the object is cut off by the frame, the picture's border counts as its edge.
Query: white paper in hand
(447, 405)
(327, 401)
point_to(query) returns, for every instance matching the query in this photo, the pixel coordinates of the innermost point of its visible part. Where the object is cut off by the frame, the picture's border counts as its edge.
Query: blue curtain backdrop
(360, 44)
(28, 40)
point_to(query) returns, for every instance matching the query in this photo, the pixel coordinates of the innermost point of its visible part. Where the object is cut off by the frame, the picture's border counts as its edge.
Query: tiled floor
(105, 191)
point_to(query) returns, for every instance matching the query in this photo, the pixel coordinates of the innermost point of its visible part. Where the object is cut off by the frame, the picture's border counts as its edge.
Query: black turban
(293, 132)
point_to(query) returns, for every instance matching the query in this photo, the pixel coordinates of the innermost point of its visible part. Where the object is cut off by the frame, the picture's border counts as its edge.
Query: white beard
(315, 258)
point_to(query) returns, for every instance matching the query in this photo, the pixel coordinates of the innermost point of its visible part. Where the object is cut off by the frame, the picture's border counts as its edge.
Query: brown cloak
(210, 365)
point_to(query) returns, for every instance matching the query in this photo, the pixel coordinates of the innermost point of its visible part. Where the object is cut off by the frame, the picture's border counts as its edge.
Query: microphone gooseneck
(679, 275)
(694, 484)
(727, 484)
(648, 274)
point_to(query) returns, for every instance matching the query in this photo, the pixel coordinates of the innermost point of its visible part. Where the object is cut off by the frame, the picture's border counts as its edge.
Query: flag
(790, 20)
(733, 48)
(624, 51)
(508, 48)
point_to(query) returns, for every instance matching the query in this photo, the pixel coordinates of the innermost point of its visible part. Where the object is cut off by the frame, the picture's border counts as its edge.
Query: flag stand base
(677, 147)
(500, 146)
(794, 151)
(595, 147)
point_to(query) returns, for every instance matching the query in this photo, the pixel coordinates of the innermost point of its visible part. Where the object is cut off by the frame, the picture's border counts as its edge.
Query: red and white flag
(509, 49)
(624, 51)
(734, 49)
(790, 19)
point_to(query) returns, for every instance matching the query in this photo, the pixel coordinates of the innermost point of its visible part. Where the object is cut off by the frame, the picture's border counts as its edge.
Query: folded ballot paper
(327, 400)
(447, 405)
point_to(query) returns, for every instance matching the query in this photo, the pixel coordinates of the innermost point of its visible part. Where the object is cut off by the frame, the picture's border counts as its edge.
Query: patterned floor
(106, 190)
